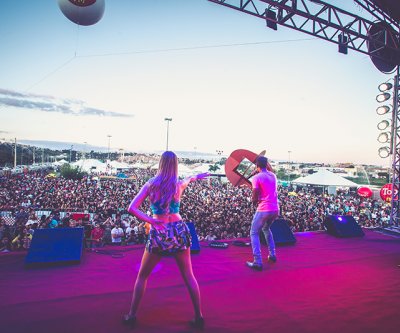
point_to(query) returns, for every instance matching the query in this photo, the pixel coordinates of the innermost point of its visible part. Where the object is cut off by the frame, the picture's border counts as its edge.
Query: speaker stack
(342, 226)
(55, 247)
(282, 233)
(195, 247)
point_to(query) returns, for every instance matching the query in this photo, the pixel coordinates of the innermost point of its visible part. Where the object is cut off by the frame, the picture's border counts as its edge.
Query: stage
(320, 284)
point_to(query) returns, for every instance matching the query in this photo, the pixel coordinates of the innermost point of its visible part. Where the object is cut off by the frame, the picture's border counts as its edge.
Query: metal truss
(349, 31)
(378, 13)
(325, 21)
(395, 147)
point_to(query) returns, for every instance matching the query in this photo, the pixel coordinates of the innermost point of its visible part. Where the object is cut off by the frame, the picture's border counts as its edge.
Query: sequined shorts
(176, 237)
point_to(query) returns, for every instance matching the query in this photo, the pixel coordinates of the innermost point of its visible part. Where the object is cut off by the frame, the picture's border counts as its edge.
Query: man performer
(265, 196)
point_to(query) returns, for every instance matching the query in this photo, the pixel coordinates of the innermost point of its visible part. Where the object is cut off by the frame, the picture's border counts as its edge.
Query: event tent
(325, 178)
(90, 165)
(60, 162)
(120, 165)
(140, 165)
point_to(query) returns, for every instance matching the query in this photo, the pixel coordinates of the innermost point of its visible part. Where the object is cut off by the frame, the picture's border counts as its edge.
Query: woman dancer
(168, 234)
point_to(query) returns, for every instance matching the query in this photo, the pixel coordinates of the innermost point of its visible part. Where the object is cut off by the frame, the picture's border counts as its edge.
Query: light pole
(109, 138)
(122, 152)
(70, 154)
(15, 153)
(167, 120)
(22, 154)
(288, 176)
(84, 150)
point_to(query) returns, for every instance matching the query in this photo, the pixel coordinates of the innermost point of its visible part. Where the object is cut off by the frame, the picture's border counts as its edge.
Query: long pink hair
(163, 185)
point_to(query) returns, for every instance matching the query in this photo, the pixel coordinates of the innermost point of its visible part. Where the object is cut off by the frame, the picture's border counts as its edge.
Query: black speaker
(383, 46)
(55, 247)
(342, 226)
(282, 233)
(195, 247)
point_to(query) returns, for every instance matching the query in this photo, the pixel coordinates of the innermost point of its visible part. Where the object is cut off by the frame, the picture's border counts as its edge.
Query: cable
(200, 47)
(192, 48)
(51, 73)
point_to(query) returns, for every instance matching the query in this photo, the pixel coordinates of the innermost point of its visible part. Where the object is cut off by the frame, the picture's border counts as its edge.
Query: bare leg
(149, 261)
(184, 262)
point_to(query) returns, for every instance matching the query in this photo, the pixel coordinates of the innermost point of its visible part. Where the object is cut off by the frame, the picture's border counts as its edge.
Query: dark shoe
(272, 258)
(129, 320)
(197, 323)
(254, 265)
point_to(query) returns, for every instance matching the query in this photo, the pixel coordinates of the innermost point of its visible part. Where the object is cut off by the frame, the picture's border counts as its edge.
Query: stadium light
(383, 109)
(384, 152)
(384, 124)
(383, 97)
(384, 137)
(385, 87)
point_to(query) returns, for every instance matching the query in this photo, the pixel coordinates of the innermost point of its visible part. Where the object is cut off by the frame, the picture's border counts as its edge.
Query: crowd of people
(217, 209)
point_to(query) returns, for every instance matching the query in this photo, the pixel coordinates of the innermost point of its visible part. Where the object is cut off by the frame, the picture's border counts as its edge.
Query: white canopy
(119, 165)
(90, 165)
(325, 178)
(140, 165)
(60, 162)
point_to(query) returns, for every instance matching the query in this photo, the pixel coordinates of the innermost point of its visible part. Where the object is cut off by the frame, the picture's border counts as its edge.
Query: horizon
(57, 146)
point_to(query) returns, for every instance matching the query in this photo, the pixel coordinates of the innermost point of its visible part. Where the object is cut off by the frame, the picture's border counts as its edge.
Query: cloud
(51, 104)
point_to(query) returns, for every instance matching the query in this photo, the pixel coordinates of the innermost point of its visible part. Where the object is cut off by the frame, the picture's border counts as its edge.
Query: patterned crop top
(173, 208)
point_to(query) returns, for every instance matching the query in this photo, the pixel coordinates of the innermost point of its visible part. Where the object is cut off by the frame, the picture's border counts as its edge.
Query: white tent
(60, 162)
(325, 178)
(90, 165)
(120, 165)
(140, 165)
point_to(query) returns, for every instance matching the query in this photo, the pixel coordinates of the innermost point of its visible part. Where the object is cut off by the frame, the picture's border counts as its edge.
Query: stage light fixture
(384, 152)
(381, 110)
(384, 124)
(271, 19)
(383, 97)
(384, 137)
(385, 87)
(343, 41)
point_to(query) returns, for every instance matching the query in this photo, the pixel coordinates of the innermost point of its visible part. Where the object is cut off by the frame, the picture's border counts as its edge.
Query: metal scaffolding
(377, 36)
(395, 149)
(323, 20)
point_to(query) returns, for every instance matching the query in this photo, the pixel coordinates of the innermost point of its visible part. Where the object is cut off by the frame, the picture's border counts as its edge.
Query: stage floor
(320, 284)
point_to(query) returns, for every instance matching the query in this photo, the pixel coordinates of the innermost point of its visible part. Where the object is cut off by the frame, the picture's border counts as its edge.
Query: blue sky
(226, 80)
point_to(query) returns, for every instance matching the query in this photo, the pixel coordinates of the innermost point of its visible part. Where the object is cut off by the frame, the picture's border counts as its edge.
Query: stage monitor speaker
(195, 247)
(55, 247)
(282, 233)
(342, 226)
